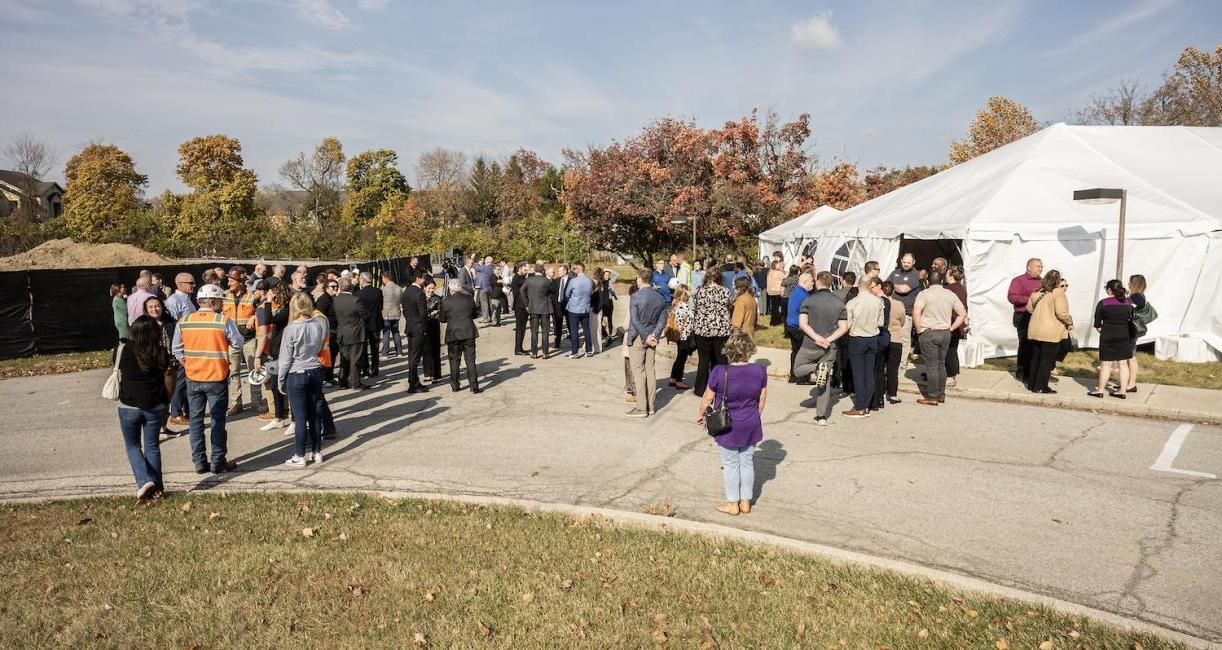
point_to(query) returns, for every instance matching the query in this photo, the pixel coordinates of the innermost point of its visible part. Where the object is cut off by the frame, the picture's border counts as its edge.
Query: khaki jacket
(1050, 319)
(744, 315)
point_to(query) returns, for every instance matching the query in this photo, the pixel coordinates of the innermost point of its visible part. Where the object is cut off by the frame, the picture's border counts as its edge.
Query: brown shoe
(854, 413)
(178, 419)
(728, 508)
(267, 417)
(927, 402)
(744, 506)
(680, 386)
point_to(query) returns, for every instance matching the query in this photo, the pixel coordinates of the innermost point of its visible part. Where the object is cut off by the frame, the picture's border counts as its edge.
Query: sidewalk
(1150, 400)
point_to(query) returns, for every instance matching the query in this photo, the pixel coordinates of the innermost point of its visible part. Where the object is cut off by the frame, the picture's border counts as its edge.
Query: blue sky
(886, 82)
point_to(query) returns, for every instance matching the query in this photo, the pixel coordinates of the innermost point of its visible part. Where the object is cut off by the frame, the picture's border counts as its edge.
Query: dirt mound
(70, 254)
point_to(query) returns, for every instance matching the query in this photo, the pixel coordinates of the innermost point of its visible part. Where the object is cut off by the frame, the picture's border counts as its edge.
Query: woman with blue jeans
(145, 384)
(744, 388)
(300, 377)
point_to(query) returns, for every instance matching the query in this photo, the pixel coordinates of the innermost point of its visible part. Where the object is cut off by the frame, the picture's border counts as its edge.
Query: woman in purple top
(746, 392)
(1113, 316)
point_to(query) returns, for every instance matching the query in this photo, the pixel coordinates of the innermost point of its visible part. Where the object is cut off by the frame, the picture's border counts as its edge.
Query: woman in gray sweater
(300, 377)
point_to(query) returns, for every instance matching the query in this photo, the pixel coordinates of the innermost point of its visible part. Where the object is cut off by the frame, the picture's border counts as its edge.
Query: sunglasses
(332, 286)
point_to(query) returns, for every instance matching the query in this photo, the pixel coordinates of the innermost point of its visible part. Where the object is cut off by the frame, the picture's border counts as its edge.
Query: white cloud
(815, 33)
(1138, 13)
(321, 13)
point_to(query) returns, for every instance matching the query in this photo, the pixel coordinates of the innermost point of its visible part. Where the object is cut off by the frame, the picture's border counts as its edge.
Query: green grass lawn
(1151, 370)
(334, 570)
(54, 364)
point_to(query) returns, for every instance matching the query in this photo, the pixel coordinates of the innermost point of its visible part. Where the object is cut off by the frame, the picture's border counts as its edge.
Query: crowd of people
(183, 350)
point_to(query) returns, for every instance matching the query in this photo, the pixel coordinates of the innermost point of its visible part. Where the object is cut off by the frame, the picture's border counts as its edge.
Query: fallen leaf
(84, 520)
(307, 532)
(958, 599)
(485, 629)
(566, 585)
(213, 515)
(1047, 645)
(343, 537)
(357, 591)
(801, 636)
(419, 638)
(924, 633)
(1002, 644)
(1058, 520)
(186, 507)
(971, 613)
(1137, 646)
(1073, 634)
(658, 636)
(528, 597)
(430, 595)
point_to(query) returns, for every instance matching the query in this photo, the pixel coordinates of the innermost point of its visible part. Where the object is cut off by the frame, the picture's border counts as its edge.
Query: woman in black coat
(1114, 321)
(432, 327)
(155, 309)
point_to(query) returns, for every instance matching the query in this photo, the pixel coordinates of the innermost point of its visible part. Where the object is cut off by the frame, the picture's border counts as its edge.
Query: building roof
(20, 182)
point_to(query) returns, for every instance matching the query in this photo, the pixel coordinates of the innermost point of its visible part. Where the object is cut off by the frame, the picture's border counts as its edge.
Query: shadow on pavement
(768, 455)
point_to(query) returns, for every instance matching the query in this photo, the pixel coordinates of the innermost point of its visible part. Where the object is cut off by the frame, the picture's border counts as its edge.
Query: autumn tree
(34, 159)
(623, 196)
(1121, 106)
(321, 176)
(1000, 122)
(441, 175)
(759, 174)
(374, 183)
(103, 193)
(839, 186)
(219, 215)
(880, 180)
(483, 187)
(1191, 95)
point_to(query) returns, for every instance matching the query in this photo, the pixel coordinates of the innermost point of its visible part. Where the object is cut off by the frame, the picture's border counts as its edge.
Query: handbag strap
(725, 387)
(118, 355)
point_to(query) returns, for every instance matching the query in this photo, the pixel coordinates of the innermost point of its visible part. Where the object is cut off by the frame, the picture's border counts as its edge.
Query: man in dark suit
(458, 312)
(370, 298)
(350, 334)
(415, 315)
(537, 297)
(520, 315)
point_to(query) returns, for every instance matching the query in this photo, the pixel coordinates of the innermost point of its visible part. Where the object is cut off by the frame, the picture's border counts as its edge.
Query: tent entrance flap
(925, 250)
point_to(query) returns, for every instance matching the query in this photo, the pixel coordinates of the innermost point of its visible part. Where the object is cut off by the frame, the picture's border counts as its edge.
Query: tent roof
(782, 232)
(1173, 175)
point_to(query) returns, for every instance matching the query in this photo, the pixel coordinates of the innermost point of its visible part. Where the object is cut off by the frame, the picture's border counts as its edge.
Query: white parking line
(1172, 449)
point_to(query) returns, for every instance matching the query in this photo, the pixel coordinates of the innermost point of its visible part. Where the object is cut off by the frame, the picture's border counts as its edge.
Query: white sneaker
(296, 461)
(316, 457)
(272, 424)
(289, 429)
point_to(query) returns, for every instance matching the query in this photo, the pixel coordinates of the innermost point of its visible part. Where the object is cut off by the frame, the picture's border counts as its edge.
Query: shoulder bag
(1137, 326)
(717, 417)
(1146, 313)
(110, 390)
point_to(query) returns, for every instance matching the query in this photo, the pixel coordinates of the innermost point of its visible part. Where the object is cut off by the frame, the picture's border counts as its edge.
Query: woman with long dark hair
(432, 328)
(711, 327)
(145, 383)
(154, 308)
(1113, 320)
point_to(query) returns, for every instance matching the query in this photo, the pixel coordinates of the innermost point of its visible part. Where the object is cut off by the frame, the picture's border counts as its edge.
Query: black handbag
(717, 418)
(1137, 327)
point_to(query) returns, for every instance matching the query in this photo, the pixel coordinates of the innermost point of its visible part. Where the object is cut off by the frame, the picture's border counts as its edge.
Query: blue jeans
(391, 328)
(214, 395)
(304, 390)
(738, 472)
(861, 353)
(146, 462)
(178, 401)
(581, 321)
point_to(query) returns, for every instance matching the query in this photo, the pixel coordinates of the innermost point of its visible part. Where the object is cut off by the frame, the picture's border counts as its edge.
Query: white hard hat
(210, 292)
(673, 284)
(257, 377)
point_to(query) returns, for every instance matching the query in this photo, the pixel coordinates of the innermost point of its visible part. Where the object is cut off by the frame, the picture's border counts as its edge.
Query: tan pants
(641, 357)
(236, 359)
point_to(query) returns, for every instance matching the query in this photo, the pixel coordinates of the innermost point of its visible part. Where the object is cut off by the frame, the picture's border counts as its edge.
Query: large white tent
(787, 237)
(1016, 202)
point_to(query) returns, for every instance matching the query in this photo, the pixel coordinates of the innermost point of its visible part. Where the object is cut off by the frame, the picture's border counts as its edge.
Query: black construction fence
(69, 310)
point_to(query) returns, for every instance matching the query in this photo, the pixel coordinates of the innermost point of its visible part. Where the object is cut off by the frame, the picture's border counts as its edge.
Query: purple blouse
(746, 382)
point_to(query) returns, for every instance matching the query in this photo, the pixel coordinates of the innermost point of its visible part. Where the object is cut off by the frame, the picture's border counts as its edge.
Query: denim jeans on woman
(137, 424)
(304, 390)
(738, 472)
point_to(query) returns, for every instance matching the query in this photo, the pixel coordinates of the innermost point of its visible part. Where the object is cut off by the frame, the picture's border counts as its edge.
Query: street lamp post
(682, 219)
(1101, 195)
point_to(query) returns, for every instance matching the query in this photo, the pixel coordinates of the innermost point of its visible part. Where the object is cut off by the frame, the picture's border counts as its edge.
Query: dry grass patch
(1151, 369)
(54, 364)
(264, 570)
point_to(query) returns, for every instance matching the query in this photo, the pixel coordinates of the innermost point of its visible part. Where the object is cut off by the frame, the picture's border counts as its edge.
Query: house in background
(25, 197)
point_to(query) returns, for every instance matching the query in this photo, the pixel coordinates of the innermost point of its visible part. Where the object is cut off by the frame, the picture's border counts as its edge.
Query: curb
(831, 553)
(1113, 407)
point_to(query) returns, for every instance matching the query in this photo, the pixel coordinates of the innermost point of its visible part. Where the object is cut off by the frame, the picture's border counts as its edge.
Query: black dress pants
(432, 349)
(708, 354)
(1021, 321)
(519, 329)
(683, 350)
(1043, 359)
(539, 326)
(373, 346)
(350, 364)
(465, 350)
(894, 354)
(417, 340)
(795, 342)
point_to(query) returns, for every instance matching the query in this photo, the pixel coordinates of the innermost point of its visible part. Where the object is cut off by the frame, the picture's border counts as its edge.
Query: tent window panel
(925, 250)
